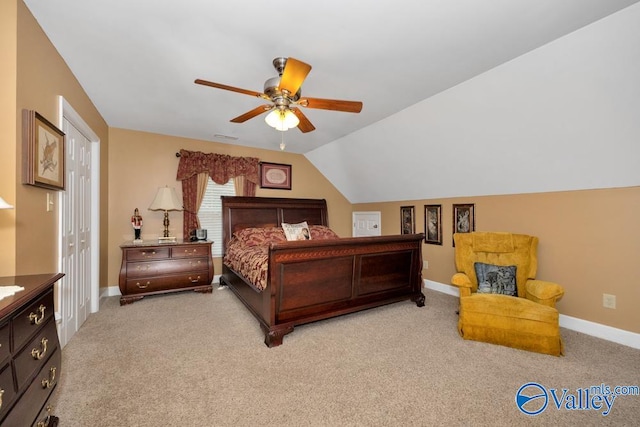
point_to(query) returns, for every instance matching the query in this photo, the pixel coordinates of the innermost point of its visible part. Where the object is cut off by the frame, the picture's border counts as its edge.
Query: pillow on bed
(298, 231)
(255, 236)
(320, 232)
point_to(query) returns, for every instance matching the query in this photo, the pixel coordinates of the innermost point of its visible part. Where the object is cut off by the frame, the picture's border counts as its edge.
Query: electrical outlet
(608, 301)
(425, 264)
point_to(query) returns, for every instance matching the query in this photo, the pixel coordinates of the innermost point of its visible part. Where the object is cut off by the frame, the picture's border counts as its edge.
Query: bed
(316, 279)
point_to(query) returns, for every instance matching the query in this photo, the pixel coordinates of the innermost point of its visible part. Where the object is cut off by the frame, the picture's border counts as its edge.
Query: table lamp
(166, 200)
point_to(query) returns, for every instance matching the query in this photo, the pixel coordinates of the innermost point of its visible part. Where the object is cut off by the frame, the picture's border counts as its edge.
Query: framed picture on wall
(433, 224)
(275, 175)
(43, 152)
(407, 224)
(464, 219)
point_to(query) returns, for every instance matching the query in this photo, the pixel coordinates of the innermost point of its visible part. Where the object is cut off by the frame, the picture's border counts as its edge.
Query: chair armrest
(463, 282)
(543, 292)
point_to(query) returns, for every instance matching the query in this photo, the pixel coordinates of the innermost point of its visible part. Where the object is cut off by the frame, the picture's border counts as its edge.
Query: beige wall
(41, 77)
(8, 57)
(140, 162)
(588, 243)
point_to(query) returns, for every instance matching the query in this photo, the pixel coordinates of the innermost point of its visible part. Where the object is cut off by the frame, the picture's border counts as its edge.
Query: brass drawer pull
(197, 262)
(145, 286)
(39, 354)
(33, 317)
(144, 253)
(196, 280)
(48, 383)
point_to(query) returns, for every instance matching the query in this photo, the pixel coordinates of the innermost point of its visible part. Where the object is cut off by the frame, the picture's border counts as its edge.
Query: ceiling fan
(284, 93)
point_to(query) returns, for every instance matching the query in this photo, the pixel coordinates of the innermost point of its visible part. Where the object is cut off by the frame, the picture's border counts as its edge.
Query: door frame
(66, 111)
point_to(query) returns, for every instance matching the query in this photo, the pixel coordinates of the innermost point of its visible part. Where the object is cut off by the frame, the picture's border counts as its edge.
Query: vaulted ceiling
(138, 59)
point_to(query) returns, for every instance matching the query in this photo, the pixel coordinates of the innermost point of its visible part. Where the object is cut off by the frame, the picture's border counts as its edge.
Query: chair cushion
(512, 322)
(496, 279)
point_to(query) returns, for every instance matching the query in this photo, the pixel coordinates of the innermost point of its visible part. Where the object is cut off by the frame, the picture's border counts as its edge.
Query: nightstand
(159, 268)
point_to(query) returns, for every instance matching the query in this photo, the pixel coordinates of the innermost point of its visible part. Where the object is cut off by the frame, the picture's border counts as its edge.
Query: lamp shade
(5, 205)
(166, 200)
(282, 119)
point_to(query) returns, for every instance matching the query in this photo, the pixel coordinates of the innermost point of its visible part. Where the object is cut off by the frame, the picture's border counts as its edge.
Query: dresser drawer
(139, 254)
(29, 320)
(154, 284)
(7, 392)
(4, 342)
(23, 413)
(171, 266)
(34, 355)
(190, 251)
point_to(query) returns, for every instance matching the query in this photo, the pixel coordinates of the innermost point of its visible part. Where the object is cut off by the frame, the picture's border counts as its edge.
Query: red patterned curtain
(220, 168)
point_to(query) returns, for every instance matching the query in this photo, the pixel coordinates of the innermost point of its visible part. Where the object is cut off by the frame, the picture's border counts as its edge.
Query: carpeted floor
(192, 359)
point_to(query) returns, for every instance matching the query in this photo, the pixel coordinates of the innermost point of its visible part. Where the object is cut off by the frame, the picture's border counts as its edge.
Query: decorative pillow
(321, 232)
(496, 279)
(254, 236)
(298, 231)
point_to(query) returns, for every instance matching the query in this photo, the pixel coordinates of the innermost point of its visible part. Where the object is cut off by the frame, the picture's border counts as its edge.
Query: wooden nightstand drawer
(171, 266)
(34, 355)
(31, 319)
(139, 254)
(195, 250)
(162, 283)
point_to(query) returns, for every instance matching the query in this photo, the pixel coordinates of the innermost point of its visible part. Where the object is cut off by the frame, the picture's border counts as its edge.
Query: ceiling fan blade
(304, 125)
(294, 74)
(331, 104)
(231, 88)
(253, 113)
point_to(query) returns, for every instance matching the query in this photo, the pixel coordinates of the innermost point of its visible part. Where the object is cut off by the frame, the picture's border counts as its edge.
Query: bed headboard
(244, 212)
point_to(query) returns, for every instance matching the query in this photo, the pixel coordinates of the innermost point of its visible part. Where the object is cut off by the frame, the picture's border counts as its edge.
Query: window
(210, 213)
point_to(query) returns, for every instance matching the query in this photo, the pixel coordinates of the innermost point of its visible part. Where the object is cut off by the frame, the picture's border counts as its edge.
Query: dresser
(30, 352)
(158, 268)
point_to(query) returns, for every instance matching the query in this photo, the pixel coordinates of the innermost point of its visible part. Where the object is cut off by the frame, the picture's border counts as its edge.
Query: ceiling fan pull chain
(282, 144)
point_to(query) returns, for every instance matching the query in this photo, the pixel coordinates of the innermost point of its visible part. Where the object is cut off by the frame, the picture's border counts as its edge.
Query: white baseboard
(114, 291)
(609, 333)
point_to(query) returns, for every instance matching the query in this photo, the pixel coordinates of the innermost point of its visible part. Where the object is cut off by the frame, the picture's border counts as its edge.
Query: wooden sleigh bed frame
(319, 279)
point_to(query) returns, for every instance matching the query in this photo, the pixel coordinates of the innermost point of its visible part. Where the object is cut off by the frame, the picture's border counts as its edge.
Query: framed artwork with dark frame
(464, 219)
(407, 223)
(43, 163)
(433, 224)
(275, 175)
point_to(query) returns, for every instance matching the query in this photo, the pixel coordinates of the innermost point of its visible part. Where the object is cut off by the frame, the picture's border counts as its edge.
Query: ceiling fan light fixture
(282, 120)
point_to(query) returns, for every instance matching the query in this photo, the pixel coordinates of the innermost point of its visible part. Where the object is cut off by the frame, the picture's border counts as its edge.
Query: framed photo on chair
(433, 224)
(464, 219)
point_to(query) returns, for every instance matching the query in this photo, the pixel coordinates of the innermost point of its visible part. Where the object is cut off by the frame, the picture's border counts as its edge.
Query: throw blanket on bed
(247, 252)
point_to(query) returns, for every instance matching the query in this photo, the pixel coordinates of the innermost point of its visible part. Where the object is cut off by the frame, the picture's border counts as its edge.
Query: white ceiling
(137, 59)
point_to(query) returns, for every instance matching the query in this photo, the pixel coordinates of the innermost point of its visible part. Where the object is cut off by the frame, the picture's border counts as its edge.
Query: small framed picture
(433, 224)
(407, 224)
(275, 175)
(43, 152)
(464, 219)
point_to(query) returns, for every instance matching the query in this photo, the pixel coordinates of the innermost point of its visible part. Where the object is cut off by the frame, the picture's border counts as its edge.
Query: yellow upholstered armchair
(501, 302)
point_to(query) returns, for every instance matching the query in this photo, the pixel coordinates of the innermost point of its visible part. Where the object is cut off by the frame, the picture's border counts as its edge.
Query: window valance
(220, 167)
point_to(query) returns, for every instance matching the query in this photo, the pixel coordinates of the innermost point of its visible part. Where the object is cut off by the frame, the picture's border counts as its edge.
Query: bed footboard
(314, 280)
